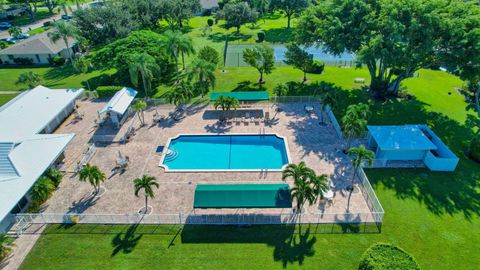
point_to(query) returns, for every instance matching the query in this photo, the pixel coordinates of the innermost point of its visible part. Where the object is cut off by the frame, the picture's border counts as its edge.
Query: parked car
(66, 17)
(9, 40)
(47, 24)
(5, 25)
(22, 36)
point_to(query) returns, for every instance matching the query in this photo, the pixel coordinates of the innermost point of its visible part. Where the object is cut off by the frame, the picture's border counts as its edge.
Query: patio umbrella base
(143, 211)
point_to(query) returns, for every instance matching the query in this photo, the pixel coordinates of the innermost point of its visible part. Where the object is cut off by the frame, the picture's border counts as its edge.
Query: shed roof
(242, 96)
(32, 110)
(407, 137)
(242, 196)
(120, 101)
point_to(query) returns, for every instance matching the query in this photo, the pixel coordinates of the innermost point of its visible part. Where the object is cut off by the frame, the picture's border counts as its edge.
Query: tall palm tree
(64, 30)
(297, 172)
(359, 155)
(354, 122)
(328, 98)
(180, 94)
(146, 183)
(302, 190)
(204, 74)
(176, 43)
(145, 65)
(320, 185)
(30, 79)
(93, 175)
(140, 106)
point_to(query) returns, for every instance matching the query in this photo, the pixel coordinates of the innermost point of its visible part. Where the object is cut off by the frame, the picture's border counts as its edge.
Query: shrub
(280, 89)
(316, 67)
(261, 36)
(55, 175)
(474, 149)
(6, 244)
(23, 61)
(107, 91)
(387, 256)
(209, 54)
(41, 190)
(57, 61)
(210, 22)
(3, 44)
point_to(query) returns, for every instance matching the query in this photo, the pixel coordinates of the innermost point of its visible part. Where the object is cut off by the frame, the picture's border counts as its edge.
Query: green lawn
(6, 98)
(433, 216)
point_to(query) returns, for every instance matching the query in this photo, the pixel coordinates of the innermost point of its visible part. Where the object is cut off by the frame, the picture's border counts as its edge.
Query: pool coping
(165, 149)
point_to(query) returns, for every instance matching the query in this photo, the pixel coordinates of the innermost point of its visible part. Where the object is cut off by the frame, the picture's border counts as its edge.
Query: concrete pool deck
(308, 141)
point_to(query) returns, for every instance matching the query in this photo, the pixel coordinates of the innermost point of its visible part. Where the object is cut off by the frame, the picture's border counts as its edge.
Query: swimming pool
(246, 152)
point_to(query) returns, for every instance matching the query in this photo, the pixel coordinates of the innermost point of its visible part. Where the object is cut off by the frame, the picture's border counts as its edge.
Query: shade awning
(242, 196)
(242, 96)
(120, 102)
(407, 137)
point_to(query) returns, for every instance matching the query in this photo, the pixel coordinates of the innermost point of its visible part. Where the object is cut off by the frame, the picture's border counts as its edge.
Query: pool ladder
(262, 131)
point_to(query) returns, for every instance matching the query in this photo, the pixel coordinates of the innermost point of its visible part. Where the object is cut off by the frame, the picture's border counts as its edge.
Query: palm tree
(297, 172)
(302, 190)
(328, 98)
(226, 103)
(64, 30)
(204, 74)
(176, 43)
(359, 156)
(139, 107)
(320, 185)
(82, 65)
(6, 244)
(354, 122)
(41, 190)
(145, 65)
(15, 31)
(93, 175)
(29, 78)
(146, 183)
(180, 94)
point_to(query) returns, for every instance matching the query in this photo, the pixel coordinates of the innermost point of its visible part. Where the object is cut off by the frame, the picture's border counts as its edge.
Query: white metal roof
(32, 110)
(120, 101)
(407, 137)
(31, 158)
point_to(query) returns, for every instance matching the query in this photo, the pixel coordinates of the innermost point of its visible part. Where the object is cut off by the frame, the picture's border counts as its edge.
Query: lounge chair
(158, 117)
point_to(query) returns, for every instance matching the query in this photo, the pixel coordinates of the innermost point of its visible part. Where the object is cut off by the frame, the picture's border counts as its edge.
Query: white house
(26, 147)
(118, 108)
(39, 48)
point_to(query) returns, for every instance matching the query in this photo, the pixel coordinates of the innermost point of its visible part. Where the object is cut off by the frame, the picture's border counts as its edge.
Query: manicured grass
(4, 98)
(26, 19)
(61, 77)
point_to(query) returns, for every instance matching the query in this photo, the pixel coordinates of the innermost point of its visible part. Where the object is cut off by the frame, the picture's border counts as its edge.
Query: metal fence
(334, 122)
(235, 59)
(370, 196)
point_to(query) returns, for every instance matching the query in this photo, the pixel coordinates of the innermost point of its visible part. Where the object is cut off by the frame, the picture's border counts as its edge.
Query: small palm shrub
(55, 175)
(41, 191)
(474, 149)
(57, 61)
(6, 244)
(210, 22)
(387, 256)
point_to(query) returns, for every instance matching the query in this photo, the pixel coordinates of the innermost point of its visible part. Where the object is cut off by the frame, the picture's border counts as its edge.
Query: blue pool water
(226, 152)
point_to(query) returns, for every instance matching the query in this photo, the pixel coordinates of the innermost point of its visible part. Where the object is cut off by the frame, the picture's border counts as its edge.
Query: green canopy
(242, 196)
(242, 96)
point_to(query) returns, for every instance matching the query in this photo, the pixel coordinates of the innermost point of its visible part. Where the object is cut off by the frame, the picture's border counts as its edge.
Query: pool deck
(308, 141)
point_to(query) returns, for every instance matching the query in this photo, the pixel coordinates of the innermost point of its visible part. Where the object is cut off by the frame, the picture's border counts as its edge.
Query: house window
(10, 57)
(38, 57)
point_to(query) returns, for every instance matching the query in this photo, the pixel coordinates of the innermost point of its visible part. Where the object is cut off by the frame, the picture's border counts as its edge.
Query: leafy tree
(393, 38)
(82, 65)
(15, 31)
(177, 12)
(6, 245)
(203, 74)
(180, 93)
(354, 122)
(474, 149)
(104, 24)
(327, 98)
(41, 190)
(236, 14)
(359, 156)
(140, 106)
(147, 13)
(64, 31)
(93, 175)
(298, 58)
(29, 78)
(280, 89)
(261, 58)
(209, 54)
(290, 7)
(146, 183)
(146, 66)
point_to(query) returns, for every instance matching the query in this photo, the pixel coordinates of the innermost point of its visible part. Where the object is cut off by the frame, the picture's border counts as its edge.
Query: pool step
(171, 155)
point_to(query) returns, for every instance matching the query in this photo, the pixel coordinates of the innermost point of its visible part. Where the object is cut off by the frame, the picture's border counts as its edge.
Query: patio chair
(78, 116)
(158, 117)
(266, 117)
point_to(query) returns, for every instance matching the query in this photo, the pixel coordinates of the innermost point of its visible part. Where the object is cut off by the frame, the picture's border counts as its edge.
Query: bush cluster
(107, 91)
(210, 22)
(43, 188)
(23, 61)
(261, 36)
(57, 61)
(387, 256)
(474, 149)
(316, 67)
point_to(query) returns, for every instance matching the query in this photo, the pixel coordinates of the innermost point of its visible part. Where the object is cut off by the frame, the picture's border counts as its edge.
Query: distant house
(12, 11)
(27, 148)
(209, 4)
(38, 48)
